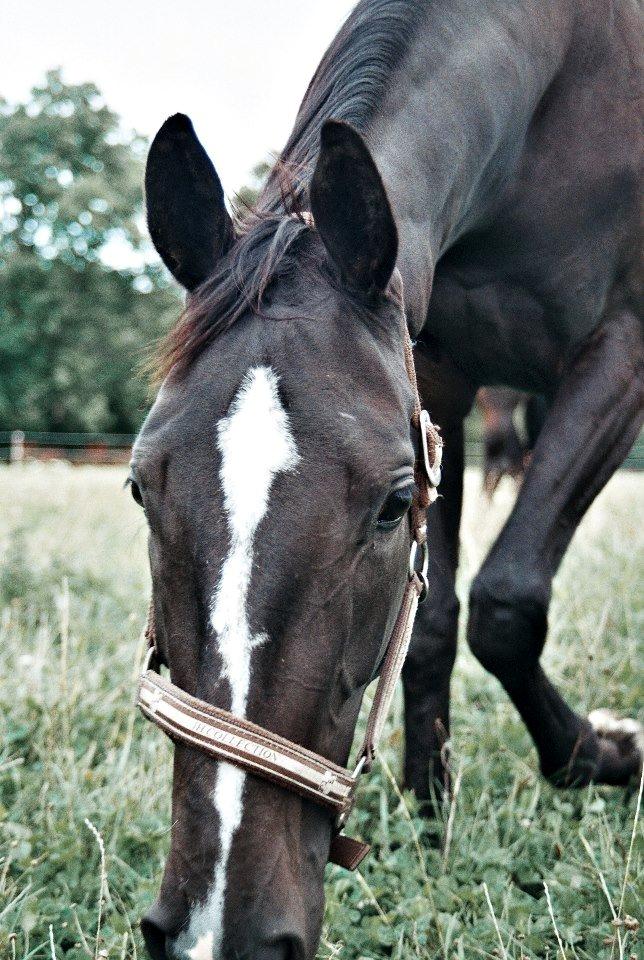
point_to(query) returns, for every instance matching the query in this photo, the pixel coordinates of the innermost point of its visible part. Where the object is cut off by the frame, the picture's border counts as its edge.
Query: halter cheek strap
(259, 751)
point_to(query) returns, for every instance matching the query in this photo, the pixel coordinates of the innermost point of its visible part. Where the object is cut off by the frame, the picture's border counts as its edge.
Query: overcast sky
(239, 68)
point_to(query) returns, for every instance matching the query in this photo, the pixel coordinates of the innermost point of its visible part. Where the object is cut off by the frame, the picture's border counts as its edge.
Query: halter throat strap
(224, 736)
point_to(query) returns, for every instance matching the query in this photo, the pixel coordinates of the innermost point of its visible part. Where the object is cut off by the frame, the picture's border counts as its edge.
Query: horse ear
(187, 218)
(351, 209)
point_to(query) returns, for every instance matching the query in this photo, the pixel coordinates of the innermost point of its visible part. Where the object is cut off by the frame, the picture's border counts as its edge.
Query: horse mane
(348, 85)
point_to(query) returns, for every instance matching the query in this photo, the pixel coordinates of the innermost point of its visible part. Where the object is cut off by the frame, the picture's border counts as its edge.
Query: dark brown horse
(507, 449)
(481, 157)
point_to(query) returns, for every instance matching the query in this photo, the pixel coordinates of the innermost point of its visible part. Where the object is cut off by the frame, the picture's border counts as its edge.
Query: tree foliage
(248, 194)
(81, 294)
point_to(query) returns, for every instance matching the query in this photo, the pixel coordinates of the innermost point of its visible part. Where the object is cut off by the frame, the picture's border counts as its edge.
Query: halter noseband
(223, 736)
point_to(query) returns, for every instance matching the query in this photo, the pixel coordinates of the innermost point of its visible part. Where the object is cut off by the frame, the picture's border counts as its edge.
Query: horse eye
(394, 508)
(135, 490)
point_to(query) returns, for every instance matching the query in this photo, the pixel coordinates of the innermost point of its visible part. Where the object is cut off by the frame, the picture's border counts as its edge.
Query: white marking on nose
(255, 443)
(202, 949)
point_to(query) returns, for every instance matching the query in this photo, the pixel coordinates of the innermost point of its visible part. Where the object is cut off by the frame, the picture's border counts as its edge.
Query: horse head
(276, 469)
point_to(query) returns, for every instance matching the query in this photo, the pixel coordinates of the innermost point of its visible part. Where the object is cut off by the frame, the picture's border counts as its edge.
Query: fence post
(17, 454)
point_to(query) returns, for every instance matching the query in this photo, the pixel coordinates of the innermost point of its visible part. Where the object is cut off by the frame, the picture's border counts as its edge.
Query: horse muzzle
(161, 931)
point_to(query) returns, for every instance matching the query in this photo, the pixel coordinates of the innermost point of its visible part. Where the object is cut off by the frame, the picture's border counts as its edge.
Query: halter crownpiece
(224, 736)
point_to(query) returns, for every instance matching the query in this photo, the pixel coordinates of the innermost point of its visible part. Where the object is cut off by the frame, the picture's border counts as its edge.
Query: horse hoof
(621, 747)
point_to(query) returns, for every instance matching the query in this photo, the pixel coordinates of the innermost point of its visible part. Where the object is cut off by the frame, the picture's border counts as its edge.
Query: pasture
(515, 869)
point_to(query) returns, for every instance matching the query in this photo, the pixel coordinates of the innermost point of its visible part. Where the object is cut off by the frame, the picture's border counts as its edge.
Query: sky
(239, 68)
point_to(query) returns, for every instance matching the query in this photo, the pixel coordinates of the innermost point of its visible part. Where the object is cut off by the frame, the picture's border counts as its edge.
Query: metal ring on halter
(149, 657)
(413, 557)
(432, 470)
(342, 818)
(422, 573)
(359, 765)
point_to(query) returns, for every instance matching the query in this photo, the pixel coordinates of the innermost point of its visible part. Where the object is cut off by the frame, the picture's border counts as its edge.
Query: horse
(506, 449)
(466, 171)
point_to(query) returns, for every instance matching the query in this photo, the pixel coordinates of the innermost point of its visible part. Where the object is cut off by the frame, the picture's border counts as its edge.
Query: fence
(114, 448)
(100, 448)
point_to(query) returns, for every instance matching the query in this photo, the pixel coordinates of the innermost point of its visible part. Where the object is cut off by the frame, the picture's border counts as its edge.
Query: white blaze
(255, 443)
(202, 949)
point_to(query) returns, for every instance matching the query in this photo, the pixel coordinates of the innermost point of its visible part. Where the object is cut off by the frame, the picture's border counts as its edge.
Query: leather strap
(390, 671)
(236, 740)
(226, 737)
(347, 852)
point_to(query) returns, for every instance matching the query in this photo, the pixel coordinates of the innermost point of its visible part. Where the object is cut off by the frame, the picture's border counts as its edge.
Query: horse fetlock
(621, 746)
(608, 749)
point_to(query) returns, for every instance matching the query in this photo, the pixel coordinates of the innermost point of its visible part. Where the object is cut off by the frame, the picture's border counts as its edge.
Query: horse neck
(452, 126)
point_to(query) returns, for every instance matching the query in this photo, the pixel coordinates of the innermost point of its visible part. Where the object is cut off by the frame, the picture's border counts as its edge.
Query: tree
(248, 194)
(82, 296)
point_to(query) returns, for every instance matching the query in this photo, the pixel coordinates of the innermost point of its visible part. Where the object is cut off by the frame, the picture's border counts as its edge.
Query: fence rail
(114, 448)
(17, 446)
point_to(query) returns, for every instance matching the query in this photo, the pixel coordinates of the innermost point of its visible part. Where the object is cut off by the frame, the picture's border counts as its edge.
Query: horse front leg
(594, 419)
(428, 667)
(448, 396)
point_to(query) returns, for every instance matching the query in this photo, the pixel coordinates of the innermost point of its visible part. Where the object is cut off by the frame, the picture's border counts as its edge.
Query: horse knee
(508, 621)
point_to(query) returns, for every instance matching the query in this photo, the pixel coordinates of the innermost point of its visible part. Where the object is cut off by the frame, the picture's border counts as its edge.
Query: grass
(521, 870)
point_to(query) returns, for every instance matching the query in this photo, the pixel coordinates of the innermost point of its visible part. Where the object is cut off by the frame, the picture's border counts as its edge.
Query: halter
(223, 736)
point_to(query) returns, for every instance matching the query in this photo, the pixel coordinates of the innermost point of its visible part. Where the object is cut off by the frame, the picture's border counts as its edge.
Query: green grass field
(85, 783)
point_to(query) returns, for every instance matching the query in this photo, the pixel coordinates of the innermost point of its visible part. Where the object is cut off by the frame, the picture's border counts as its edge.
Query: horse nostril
(161, 924)
(154, 938)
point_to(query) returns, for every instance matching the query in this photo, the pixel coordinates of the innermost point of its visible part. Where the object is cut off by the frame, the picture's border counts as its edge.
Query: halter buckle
(433, 470)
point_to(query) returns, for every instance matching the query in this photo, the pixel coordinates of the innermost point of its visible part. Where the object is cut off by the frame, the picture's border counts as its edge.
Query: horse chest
(495, 331)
